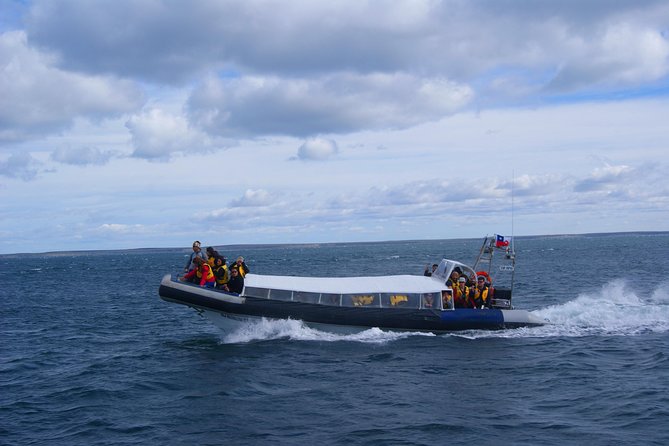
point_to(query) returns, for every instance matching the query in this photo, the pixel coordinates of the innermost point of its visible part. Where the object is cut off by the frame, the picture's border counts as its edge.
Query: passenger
(428, 300)
(460, 294)
(197, 252)
(241, 266)
(211, 256)
(221, 272)
(447, 299)
(202, 275)
(429, 273)
(236, 282)
(455, 275)
(479, 293)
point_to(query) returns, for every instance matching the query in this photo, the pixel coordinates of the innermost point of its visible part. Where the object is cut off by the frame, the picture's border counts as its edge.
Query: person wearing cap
(479, 293)
(460, 294)
(197, 252)
(241, 266)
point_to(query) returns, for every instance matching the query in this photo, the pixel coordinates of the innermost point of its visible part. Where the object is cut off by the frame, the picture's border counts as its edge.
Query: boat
(351, 304)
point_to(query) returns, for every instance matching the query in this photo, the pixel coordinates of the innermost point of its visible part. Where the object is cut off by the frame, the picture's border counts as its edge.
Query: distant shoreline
(233, 247)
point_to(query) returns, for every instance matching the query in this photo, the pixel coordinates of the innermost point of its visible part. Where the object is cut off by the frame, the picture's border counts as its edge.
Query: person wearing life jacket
(241, 266)
(221, 272)
(460, 292)
(479, 293)
(211, 256)
(203, 274)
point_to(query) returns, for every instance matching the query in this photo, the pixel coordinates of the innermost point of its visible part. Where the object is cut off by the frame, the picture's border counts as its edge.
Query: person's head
(210, 251)
(234, 271)
(462, 281)
(455, 275)
(428, 299)
(196, 246)
(239, 260)
(198, 261)
(218, 261)
(434, 267)
(480, 281)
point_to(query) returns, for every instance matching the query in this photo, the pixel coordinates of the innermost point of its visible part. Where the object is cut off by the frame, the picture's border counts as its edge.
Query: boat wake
(266, 329)
(614, 310)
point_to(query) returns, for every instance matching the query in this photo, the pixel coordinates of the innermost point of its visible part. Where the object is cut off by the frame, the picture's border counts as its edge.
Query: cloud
(82, 156)
(168, 42)
(604, 178)
(38, 99)
(317, 149)
(157, 134)
(253, 198)
(20, 165)
(337, 103)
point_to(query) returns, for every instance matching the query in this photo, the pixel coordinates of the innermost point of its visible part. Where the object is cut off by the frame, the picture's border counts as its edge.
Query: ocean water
(90, 355)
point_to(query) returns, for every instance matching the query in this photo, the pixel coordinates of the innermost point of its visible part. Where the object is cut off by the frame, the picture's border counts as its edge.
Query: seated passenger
(241, 266)
(202, 275)
(236, 282)
(455, 275)
(428, 300)
(447, 299)
(221, 272)
(211, 256)
(460, 294)
(479, 293)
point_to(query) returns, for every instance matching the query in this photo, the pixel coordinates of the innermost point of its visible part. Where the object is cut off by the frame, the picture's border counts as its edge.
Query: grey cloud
(82, 156)
(38, 99)
(175, 41)
(338, 103)
(20, 165)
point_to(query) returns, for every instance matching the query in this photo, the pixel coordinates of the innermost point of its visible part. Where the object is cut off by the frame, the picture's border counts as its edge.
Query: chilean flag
(500, 242)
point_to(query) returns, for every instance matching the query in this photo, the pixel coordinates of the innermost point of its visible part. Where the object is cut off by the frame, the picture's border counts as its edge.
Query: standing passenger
(197, 252)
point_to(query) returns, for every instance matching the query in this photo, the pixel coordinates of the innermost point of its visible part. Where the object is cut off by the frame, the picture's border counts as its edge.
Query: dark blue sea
(90, 355)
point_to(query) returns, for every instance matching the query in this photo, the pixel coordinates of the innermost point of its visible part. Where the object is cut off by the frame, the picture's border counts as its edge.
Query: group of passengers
(211, 270)
(466, 293)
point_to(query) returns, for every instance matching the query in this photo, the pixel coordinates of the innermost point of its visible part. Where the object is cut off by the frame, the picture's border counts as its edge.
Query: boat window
(281, 295)
(304, 296)
(429, 301)
(447, 300)
(256, 292)
(360, 300)
(400, 300)
(331, 299)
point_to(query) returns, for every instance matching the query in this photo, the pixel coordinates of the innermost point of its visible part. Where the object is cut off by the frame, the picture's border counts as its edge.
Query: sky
(152, 123)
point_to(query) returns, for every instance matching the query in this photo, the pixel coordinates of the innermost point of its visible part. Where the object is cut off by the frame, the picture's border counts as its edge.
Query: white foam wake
(614, 309)
(265, 329)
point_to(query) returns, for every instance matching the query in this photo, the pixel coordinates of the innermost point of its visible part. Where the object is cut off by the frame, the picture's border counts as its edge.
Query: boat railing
(361, 300)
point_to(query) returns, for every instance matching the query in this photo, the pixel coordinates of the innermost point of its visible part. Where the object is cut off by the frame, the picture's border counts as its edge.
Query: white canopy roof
(348, 285)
